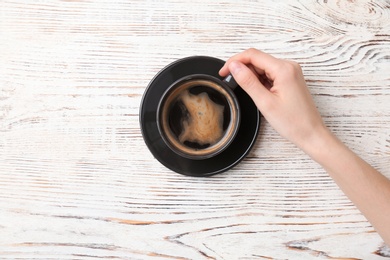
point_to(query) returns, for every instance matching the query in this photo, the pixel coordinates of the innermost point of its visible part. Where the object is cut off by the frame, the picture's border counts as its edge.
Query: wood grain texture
(78, 182)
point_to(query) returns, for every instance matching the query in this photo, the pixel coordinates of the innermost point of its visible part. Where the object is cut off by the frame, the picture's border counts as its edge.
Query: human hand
(279, 90)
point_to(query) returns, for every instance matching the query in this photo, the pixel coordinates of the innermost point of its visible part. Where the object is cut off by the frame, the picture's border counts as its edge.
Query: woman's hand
(279, 90)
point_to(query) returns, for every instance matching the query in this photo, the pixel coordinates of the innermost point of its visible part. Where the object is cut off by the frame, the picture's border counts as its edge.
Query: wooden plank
(77, 180)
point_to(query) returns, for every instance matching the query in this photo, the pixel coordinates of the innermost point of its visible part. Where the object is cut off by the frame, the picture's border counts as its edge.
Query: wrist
(319, 144)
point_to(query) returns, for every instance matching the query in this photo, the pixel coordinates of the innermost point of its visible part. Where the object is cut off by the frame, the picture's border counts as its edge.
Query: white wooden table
(78, 182)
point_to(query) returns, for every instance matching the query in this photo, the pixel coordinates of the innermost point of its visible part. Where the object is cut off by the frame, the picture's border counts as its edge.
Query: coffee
(198, 118)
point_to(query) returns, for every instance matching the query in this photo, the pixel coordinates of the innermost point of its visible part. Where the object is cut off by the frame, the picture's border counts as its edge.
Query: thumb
(249, 82)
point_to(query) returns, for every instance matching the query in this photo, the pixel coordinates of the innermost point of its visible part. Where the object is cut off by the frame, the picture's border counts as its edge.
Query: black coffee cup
(198, 116)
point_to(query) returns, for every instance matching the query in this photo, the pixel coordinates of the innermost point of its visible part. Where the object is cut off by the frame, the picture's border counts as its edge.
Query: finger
(225, 69)
(263, 62)
(261, 77)
(249, 82)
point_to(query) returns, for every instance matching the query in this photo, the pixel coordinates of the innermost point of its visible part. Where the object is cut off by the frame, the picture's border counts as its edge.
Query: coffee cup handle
(230, 81)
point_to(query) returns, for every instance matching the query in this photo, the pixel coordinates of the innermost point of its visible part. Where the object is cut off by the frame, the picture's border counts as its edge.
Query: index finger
(263, 62)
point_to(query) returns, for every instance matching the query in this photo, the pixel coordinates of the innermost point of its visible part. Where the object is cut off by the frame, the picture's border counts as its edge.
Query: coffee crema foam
(204, 124)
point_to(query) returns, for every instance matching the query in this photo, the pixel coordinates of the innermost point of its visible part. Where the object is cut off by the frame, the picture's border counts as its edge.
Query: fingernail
(235, 67)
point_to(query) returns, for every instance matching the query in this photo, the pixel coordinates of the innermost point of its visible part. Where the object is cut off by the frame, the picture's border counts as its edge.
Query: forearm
(366, 187)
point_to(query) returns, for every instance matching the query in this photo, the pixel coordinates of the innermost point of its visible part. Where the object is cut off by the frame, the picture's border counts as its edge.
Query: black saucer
(240, 147)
